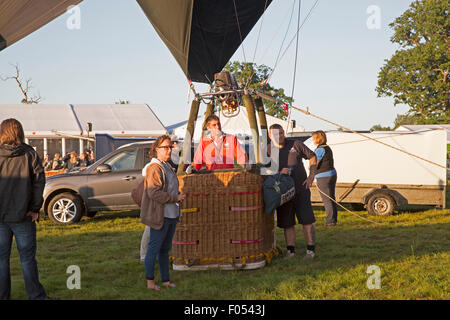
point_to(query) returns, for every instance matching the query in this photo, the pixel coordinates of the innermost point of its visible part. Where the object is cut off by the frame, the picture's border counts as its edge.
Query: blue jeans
(159, 246)
(25, 234)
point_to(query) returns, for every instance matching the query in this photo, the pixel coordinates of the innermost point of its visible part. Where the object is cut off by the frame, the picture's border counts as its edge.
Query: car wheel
(65, 208)
(380, 204)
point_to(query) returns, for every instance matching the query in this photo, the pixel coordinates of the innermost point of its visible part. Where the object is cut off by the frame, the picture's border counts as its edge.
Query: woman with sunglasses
(160, 210)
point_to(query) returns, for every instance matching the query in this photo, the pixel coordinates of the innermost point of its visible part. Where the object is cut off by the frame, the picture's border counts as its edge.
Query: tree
(24, 86)
(417, 73)
(406, 119)
(379, 127)
(255, 76)
(122, 102)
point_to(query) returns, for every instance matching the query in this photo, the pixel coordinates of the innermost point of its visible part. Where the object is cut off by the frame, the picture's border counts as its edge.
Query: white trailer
(379, 177)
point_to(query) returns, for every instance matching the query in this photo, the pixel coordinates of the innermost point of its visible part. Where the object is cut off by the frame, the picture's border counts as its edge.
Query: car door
(112, 190)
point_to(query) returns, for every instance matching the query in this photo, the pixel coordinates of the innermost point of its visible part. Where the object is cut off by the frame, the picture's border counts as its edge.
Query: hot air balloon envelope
(203, 35)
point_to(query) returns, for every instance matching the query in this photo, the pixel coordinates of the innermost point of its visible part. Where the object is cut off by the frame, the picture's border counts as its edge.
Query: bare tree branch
(25, 90)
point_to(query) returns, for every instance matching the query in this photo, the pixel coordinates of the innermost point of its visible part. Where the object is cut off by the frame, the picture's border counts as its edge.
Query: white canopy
(132, 120)
(41, 119)
(120, 119)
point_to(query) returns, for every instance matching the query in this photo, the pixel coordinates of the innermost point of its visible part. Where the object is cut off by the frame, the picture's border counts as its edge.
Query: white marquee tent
(62, 128)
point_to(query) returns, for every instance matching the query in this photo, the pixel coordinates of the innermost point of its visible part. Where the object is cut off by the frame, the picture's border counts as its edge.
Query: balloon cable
(295, 66)
(298, 30)
(279, 51)
(239, 28)
(256, 47)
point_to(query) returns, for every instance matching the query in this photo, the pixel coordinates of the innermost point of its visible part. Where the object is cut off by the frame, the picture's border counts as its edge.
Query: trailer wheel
(380, 204)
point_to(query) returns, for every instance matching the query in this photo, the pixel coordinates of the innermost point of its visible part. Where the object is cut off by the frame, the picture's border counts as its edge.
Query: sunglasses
(166, 147)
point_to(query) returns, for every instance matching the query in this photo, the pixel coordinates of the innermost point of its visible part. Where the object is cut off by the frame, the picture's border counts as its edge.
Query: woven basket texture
(223, 219)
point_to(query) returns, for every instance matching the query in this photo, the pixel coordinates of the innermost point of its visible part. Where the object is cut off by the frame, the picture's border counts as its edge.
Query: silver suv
(105, 185)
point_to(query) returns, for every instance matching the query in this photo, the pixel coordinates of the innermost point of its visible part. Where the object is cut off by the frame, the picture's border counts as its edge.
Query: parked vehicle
(105, 185)
(377, 177)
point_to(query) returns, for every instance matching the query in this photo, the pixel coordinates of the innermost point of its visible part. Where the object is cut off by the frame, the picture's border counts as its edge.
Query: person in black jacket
(21, 188)
(326, 176)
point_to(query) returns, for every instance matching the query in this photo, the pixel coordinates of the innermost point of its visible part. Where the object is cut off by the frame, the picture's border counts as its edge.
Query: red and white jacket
(219, 153)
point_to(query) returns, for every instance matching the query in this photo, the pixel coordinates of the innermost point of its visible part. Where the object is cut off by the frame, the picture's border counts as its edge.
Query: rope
(267, 97)
(370, 138)
(380, 138)
(345, 207)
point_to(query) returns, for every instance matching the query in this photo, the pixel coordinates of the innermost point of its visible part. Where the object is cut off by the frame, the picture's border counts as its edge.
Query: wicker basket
(223, 223)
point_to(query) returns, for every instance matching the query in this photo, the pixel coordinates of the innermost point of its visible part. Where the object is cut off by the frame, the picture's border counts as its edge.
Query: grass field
(411, 248)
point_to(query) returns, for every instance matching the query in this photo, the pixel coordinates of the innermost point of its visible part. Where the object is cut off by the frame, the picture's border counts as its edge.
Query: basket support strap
(245, 208)
(186, 242)
(247, 241)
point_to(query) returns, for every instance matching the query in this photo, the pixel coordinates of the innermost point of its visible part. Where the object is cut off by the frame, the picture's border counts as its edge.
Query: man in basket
(218, 150)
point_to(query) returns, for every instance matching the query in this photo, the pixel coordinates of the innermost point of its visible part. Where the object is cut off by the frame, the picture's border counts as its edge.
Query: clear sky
(117, 55)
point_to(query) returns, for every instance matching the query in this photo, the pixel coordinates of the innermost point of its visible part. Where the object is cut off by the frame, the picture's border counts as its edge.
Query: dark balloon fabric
(202, 35)
(212, 33)
(215, 34)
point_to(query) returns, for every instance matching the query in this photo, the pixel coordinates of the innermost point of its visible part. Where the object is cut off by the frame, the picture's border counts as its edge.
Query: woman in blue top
(326, 176)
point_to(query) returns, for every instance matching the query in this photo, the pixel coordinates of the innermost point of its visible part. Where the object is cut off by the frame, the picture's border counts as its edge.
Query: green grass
(412, 249)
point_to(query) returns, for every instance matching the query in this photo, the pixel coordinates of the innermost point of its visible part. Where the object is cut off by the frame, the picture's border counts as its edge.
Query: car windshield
(124, 160)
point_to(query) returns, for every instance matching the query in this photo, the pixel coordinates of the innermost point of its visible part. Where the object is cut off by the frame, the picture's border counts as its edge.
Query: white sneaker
(289, 254)
(309, 254)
